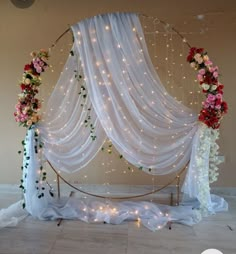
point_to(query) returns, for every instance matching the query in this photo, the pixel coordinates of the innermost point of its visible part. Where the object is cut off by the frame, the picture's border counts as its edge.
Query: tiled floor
(33, 236)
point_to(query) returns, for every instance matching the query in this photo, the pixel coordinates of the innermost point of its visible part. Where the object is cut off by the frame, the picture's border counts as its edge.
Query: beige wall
(37, 27)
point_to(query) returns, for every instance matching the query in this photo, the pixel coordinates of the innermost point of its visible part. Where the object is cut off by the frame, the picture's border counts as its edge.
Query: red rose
(224, 107)
(23, 86)
(201, 117)
(200, 50)
(189, 58)
(27, 67)
(220, 89)
(192, 50)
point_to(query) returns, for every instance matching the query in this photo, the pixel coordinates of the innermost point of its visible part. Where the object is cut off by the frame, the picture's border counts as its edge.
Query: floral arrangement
(27, 107)
(213, 108)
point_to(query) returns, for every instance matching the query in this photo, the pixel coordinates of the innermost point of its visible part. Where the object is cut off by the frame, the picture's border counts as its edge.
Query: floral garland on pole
(211, 114)
(27, 108)
(213, 108)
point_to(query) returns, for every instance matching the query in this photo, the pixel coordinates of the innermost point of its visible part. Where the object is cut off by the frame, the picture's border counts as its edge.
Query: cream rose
(27, 81)
(197, 56)
(205, 58)
(200, 60)
(213, 87)
(192, 65)
(29, 122)
(205, 86)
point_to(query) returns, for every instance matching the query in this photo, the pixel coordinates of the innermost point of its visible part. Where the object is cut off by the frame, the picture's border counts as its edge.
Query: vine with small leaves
(83, 93)
(108, 149)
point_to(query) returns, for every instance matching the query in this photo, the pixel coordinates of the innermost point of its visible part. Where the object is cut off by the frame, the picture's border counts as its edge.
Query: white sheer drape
(67, 142)
(146, 125)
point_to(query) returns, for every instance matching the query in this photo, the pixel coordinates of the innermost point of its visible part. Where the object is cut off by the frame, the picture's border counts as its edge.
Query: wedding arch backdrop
(109, 88)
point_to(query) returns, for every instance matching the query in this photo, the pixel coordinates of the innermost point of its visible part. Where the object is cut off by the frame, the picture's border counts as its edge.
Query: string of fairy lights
(167, 51)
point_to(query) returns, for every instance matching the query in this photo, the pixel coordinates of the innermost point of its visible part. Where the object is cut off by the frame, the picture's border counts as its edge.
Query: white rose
(29, 122)
(200, 60)
(192, 65)
(213, 87)
(205, 86)
(196, 57)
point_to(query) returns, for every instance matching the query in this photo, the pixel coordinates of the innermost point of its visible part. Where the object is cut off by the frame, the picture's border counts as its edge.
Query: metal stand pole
(58, 186)
(178, 189)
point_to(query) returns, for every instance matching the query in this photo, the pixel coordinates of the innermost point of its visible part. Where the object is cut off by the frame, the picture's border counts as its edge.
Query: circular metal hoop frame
(176, 178)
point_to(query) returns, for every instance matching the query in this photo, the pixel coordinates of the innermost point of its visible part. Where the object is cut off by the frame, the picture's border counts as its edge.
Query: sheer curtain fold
(67, 141)
(146, 125)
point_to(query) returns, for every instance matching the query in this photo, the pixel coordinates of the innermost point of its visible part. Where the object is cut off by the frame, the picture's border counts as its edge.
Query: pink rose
(36, 65)
(39, 69)
(211, 69)
(208, 63)
(41, 63)
(205, 104)
(211, 98)
(215, 74)
(200, 77)
(202, 71)
(218, 106)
